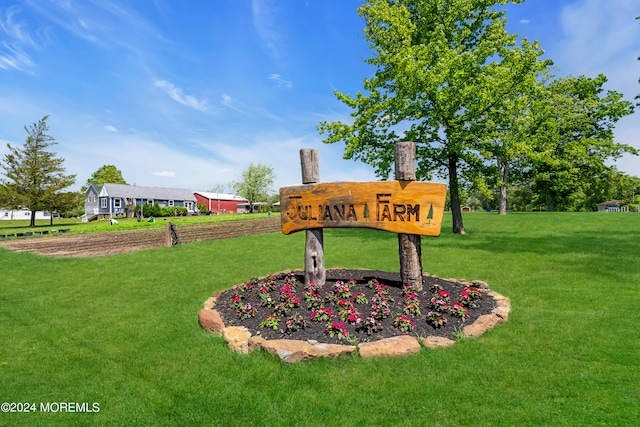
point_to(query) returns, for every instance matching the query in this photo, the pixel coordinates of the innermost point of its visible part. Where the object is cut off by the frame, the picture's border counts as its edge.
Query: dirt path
(115, 242)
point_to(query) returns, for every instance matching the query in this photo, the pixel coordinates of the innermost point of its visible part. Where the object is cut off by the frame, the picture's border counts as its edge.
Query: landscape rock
(481, 325)
(237, 338)
(395, 346)
(209, 303)
(211, 321)
(502, 312)
(291, 351)
(437, 342)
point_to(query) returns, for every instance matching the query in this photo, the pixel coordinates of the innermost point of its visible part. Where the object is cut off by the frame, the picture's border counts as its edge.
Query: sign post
(314, 270)
(405, 206)
(409, 245)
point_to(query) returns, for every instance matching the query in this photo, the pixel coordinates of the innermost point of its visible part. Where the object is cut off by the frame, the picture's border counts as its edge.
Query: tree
(220, 188)
(66, 204)
(255, 184)
(34, 176)
(106, 174)
(9, 197)
(575, 138)
(443, 68)
(508, 142)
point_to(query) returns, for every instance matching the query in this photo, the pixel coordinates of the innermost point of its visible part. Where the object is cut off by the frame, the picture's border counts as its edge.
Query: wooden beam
(409, 245)
(314, 269)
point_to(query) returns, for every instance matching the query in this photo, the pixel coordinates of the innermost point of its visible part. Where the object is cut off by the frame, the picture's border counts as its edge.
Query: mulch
(317, 330)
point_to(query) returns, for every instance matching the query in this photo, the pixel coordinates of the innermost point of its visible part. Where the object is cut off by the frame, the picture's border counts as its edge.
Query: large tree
(574, 139)
(106, 174)
(33, 175)
(443, 67)
(255, 184)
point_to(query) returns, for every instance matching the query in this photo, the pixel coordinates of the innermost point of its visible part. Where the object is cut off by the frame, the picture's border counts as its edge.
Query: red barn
(219, 202)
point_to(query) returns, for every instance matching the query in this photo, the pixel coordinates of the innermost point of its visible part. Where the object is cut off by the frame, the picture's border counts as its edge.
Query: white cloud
(599, 35)
(524, 21)
(603, 37)
(265, 25)
(245, 109)
(280, 82)
(13, 54)
(165, 174)
(177, 95)
(109, 128)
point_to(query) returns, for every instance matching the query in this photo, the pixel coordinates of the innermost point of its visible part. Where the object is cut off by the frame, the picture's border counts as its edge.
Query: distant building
(610, 206)
(219, 202)
(110, 200)
(24, 213)
(257, 207)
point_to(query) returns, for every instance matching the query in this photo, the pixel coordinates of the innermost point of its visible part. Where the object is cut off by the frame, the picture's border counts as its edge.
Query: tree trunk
(32, 221)
(503, 170)
(456, 210)
(551, 205)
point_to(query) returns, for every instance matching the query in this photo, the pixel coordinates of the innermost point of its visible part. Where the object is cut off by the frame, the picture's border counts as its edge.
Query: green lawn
(76, 225)
(122, 331)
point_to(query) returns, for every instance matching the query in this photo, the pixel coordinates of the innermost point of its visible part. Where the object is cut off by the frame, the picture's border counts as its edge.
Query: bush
(156, 211)
(173, 211)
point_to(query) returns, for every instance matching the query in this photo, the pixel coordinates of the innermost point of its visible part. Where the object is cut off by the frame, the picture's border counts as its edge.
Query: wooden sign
(410, 207)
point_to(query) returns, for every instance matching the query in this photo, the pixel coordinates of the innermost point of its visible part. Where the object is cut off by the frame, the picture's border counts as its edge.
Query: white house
(24, 213)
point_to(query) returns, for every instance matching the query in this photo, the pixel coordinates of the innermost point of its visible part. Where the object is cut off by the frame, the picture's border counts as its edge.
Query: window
(103, 203)
(149, 201)
(117, 203)
(170, 202)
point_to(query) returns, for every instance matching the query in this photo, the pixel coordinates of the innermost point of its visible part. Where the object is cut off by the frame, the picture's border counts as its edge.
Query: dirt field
(115, 242)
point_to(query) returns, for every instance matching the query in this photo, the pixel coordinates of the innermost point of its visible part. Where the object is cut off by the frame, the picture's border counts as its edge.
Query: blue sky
(189, 93)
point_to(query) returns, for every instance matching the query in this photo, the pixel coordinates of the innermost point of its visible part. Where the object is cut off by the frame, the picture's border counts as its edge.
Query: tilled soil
(115, 242)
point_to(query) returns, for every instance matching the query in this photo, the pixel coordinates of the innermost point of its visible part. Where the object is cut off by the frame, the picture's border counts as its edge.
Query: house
(257, 207)
(219, 202)
(110, 200)
(610, 206)
(23, 213)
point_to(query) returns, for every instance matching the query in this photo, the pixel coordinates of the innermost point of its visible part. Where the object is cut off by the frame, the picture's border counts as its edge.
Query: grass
(122, 331)
(77, 226)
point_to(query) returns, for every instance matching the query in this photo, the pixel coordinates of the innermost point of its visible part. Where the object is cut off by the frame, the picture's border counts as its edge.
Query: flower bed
(353, 306)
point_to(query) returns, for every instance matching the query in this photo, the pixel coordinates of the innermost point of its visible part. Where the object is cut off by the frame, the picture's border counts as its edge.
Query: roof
(221, 196)
(139, 192)
(610, 202)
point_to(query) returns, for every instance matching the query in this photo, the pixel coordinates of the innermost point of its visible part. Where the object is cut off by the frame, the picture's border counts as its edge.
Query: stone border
(240, 340)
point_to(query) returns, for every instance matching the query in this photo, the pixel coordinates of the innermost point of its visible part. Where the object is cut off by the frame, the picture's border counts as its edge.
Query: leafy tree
(508, 141)
(34, 176)
(444, 67)
(219, 188)
(575, 139)
(255, 184)
(9, 197)
(67, 204)
(106, 174)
